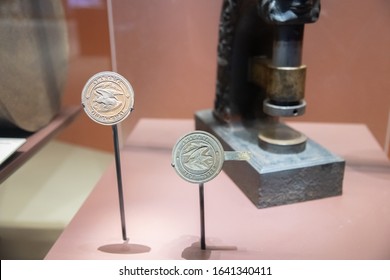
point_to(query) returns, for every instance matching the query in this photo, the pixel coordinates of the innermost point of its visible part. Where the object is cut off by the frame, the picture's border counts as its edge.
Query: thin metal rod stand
(119, 179)
(202, 223)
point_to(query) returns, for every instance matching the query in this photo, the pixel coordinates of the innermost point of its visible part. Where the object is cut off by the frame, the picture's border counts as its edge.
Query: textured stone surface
(34, 59)
(269, 179)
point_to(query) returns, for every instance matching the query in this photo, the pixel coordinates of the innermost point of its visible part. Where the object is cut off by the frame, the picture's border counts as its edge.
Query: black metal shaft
(202, 223)
(119, 179)
(287, 48)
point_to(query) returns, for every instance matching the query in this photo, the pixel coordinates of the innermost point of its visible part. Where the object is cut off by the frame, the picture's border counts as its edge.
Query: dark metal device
(260, 78)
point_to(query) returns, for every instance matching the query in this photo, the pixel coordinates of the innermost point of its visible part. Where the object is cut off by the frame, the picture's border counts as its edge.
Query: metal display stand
(202, 220)
(108, 98)
(198, 157)
(119, 180)
(165, 210)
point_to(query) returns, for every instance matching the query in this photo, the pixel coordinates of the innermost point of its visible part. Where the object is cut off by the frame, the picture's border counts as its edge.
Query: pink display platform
(162, 210)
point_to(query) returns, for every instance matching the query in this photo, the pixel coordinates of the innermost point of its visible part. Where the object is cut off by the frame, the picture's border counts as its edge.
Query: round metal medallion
(198, 157)
(107, 98)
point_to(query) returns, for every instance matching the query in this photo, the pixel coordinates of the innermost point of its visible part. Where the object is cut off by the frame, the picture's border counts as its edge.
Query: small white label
(8, 146)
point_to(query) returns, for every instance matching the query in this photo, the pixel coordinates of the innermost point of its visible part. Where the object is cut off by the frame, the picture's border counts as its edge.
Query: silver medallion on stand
(198, 157)
(107, 98)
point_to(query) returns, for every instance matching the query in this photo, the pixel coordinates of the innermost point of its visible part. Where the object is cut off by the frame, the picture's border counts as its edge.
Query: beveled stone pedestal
(270, 179)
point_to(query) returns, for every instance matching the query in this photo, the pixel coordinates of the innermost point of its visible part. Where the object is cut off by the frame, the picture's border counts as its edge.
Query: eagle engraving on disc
(198, 157)
(107, 98)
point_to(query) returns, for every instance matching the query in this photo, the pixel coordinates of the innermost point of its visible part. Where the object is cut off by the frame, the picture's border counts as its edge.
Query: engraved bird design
(107, 99)
(198, 157)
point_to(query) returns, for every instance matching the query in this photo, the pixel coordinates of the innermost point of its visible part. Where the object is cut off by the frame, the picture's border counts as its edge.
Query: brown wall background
(167, 50)
(89, 54)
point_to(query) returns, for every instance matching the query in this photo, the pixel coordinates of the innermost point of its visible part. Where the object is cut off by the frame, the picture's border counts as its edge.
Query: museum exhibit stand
(162, 210)
(315, 181)
(317, 188)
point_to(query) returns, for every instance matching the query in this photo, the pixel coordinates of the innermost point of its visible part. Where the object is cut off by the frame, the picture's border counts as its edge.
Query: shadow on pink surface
(124, 248)
(194, 252)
